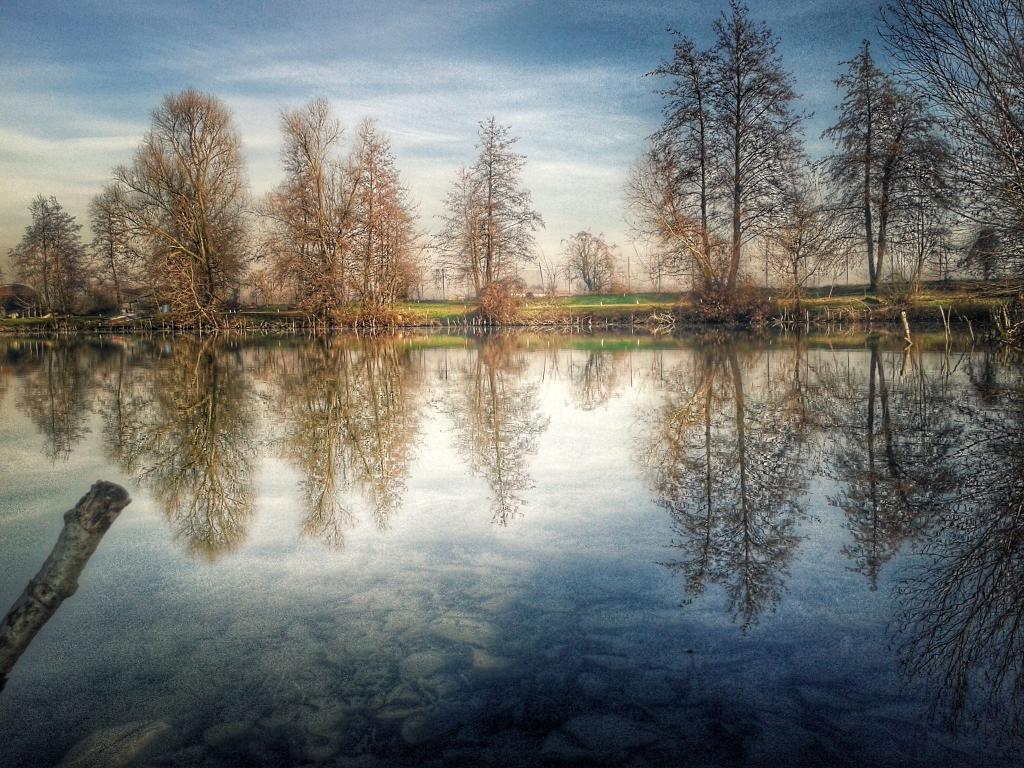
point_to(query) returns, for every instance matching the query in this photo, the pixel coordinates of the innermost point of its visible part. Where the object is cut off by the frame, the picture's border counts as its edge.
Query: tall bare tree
(50, 257)
(682, 157)
(341, 231)
(661, 216)
(311, 211)
(967, 56)
(711, 180)
(590, 259)
(113, 248)
(880, 130)
(385, 245)
(187, 196)
(756, 129)
(488, 227)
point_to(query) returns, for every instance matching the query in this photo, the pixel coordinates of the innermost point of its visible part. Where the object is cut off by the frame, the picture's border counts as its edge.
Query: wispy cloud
(79, 81)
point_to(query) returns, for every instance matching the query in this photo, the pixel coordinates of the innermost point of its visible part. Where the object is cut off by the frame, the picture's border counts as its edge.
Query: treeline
(925, 177)
(924, 173)
(337, 238)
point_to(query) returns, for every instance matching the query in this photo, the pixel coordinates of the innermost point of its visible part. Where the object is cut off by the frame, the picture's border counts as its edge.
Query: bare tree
(551, 272)
(50, 257)
(488, 226)
(663, 219)
(880, 131)
(113, 250)
(187, 197)
(682, 155)
(711, 180)
(756, 129)
(808, 240)
(967, 56)
(310, 211)
(384, 239)
(340, 231)
(922, 238)
(590, 259)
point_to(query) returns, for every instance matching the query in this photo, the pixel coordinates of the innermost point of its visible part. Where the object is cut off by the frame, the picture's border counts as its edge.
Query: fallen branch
(84, 527)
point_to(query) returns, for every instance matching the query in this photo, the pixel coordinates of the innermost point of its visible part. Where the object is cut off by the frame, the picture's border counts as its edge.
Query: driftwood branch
(906, 329)
(84, 527)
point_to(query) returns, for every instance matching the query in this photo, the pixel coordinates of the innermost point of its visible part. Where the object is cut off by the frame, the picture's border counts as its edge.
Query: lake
(519, 550)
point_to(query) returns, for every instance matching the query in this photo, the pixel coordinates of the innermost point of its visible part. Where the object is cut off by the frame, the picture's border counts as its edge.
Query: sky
(79, 81)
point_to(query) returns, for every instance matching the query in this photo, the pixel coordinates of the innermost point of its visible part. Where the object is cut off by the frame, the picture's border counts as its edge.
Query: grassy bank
(848, 307)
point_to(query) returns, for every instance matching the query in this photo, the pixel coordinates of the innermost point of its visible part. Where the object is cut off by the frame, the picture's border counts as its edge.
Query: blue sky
(78, 81)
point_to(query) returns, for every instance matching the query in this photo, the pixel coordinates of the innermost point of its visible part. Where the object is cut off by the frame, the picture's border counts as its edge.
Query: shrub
(501, 300)
(748, 303)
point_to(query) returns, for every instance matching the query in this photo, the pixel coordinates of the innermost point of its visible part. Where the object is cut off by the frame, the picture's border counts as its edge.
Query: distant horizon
(78, 86)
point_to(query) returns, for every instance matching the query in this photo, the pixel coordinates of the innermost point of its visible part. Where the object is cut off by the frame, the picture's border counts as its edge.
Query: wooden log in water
(84, 527)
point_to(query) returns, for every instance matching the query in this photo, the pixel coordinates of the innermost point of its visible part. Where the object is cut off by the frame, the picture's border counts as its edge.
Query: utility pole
(765, 263)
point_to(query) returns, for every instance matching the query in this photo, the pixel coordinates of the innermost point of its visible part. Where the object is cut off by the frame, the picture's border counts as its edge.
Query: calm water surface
(519, 550)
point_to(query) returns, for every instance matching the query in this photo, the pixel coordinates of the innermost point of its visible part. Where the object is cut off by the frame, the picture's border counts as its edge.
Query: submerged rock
(558, 746)
(427, 726)
(225, 734)
(609, 735)
(117, 746)
(423, 664)
(461, 629)
(482, 660)
(591, 685)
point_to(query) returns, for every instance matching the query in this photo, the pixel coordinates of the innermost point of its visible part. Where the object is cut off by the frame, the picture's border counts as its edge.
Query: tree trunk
(869, 234)
(737, 201)
(84, 527)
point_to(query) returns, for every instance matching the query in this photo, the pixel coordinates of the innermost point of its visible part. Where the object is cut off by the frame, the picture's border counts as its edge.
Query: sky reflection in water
(520, 550)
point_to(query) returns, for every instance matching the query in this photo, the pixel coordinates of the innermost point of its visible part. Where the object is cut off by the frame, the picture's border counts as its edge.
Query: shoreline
(969, 314)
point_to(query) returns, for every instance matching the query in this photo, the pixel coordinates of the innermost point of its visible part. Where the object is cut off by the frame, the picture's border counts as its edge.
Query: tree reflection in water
(595, 380)
(891, 427)
(496, 416)
(55, 396)
(351, 414)
(961, 620)
(182, 426)
(729, 462)
(922, 453)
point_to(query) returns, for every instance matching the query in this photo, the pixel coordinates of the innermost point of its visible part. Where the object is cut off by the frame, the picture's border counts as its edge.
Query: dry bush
(501, 301)
(746, 304)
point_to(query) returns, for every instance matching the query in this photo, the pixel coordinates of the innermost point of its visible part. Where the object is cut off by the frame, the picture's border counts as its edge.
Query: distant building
(18, 299)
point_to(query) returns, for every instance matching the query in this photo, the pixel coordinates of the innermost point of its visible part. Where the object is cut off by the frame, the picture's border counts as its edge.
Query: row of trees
(920, 167)
(338, 235)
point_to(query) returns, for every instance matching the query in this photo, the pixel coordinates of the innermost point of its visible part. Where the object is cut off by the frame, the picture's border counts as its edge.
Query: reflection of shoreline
(921, 458)
(57, 579)
(926, 460)
(922, 451)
